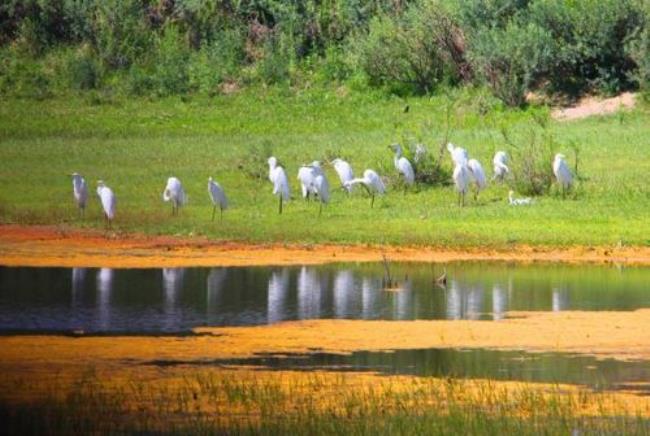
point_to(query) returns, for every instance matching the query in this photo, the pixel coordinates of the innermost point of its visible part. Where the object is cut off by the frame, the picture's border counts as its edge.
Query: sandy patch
(589, 106)
(66, 247)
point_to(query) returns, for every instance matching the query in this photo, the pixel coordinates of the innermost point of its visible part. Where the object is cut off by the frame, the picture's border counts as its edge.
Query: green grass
(135, 144)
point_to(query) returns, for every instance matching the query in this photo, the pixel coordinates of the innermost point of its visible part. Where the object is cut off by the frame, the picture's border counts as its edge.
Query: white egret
(477, 174)
(562, 173)
(107, 198)
(461, 181)
(321, 186)
(420, 153)
(518, 201)
(80, 191)
(174, 192)
(344, 171)
(372, 182)
(402, 164)
(306, 177)
(500, 165)
(280, 182)
(458, 154)
(218, 197)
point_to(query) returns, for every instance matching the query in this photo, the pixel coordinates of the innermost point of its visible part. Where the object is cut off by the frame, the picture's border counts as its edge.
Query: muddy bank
(65, 247)
(619, 335)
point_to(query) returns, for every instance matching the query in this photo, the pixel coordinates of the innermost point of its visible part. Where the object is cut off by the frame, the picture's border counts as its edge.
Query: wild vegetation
(169, 47)
(208, 401)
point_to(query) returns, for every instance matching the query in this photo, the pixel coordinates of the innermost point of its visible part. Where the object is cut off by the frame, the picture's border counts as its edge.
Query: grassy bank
(224, 401)
(135, 144)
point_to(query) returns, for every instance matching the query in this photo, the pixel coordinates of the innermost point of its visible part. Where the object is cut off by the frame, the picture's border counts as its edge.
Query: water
(175, 300)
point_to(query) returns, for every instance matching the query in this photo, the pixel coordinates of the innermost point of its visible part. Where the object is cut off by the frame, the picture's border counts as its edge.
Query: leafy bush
(638, 49)
(417, 50)
(589, 38)
(510, 59)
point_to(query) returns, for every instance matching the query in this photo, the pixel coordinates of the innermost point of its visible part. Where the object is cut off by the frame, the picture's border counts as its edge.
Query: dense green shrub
(510, 59)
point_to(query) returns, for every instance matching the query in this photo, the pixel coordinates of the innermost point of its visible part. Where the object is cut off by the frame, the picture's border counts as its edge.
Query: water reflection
(278, 293)
(175, 299)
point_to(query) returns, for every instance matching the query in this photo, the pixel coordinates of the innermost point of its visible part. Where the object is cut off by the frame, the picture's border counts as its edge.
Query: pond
(174, 300)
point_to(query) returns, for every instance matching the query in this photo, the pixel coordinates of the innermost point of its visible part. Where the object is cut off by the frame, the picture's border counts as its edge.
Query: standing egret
(218, 197)
(280, 182)
(461, 180)
(518, 201)
(174, 192)
(108, 201)
(402, 164)
(500, 168)
(80, 191)
(562, 173)
(477, 174)
(372, 182)
(458, 154)
(320, 185)
(306, 176)
(344, 171)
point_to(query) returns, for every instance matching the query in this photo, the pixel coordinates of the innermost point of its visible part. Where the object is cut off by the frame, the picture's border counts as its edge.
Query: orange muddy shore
(68, 247)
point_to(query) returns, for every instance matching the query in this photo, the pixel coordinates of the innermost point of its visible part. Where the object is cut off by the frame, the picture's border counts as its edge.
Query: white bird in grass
(344, 171)
(461, 181)
(402, 164)
(500, 165)
(458, 154)
(306, 176)
(174, 192)
(562, 173)
(518, 201)
(420, 153)
(477, 174)
(107, 198)
(80, 191)
(322, 188)
(218, 197)
(372, 182)
(280, 182)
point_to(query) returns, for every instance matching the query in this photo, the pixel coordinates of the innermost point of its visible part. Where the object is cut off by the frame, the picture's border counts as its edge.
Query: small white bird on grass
(461, 181)
(80, 192)
(477, 175)
(500, 165)
(458, 154)
(562, 173)
(174, 192)
(518, 201)
(280, 182)
(372, 182)
(344, 171)
(218, 197)
(402, 164)
(108, 201)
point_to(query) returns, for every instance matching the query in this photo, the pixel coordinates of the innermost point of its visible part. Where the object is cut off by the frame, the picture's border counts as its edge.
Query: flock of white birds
(313, 181)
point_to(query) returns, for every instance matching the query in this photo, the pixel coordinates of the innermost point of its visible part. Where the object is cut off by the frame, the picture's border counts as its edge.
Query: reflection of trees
(370, 289)
(276, 303)
(464, 303)
(560, 299)
(78, 278)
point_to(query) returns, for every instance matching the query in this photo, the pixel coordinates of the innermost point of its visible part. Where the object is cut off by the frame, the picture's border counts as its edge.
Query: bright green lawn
(134, 145)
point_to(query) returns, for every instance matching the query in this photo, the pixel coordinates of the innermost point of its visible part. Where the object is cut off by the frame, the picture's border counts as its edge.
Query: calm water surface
(175, 300)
